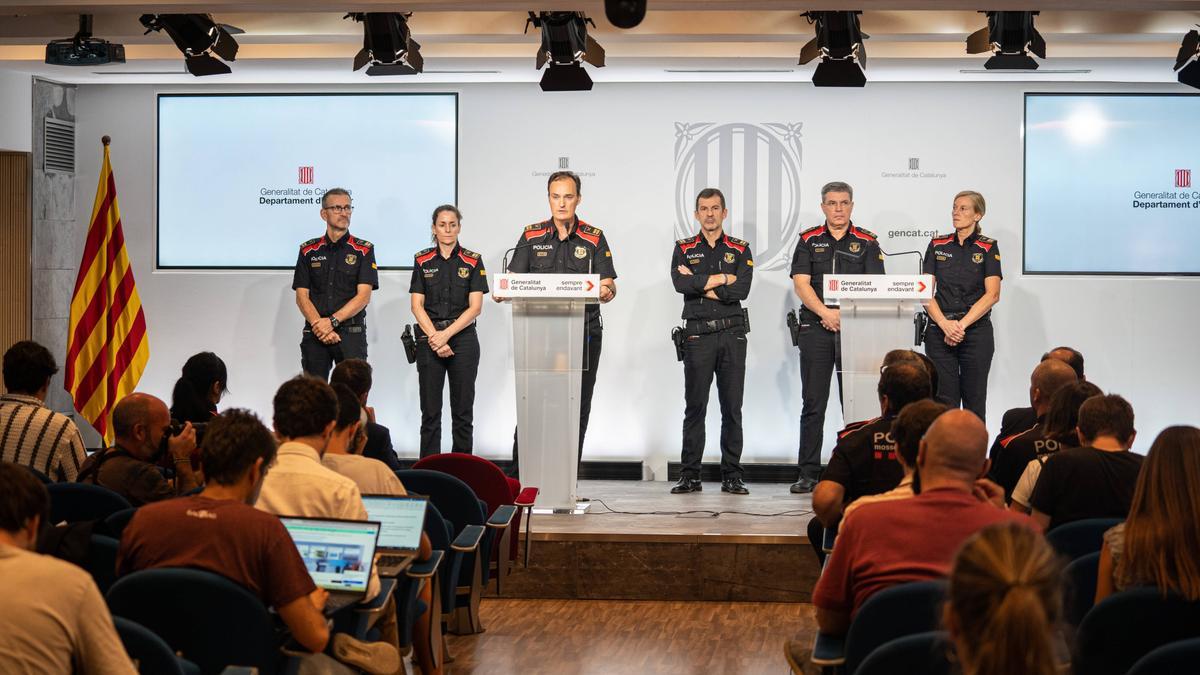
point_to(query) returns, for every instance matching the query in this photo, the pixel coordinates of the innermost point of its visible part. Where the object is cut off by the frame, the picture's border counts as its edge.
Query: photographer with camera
(142, 425)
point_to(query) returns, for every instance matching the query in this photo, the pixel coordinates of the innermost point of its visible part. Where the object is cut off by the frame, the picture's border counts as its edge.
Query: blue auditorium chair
(1176, 658)
(892, 613)
(1080, 587)
(1080, 537)
(150, 654)
(116, 523)
(75, 502)
(1128, 625)
(102, 561)
(919, 654)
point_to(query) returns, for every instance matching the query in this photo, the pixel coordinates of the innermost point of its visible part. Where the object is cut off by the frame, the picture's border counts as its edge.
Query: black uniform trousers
(432, 372)
(721, 354)
(963, 369)
(587, 383)
(819, 359)
(318, 358)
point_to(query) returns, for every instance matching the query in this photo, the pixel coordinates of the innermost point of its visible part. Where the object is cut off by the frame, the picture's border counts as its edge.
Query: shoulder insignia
(592, 238)
(985, 243)
(361, 245)
(688, 244)
(938, 241)
(426, 255)
(738, 245)
(536, 226)
(536, 230)
(469, 253)
(468, 257)
(590, 229)
(863, 233)
(311, 245)
(812, 232)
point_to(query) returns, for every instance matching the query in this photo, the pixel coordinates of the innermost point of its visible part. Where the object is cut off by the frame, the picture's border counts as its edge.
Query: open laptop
(401, 520)
(338, 554)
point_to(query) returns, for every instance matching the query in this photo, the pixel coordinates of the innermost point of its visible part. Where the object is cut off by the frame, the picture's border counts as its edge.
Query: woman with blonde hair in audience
(1004, 602)
(1159, 543)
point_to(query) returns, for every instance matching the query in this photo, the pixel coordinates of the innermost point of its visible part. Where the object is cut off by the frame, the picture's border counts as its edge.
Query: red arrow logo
(590, 285)
(920, 286)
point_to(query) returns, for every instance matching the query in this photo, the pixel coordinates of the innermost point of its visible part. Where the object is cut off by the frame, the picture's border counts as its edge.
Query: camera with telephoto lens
(176, 428)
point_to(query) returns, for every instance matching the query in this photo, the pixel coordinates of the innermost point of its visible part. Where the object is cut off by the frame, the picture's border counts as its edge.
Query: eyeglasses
(339, 208)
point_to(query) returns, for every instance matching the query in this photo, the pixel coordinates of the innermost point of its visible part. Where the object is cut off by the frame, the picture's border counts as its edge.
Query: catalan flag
(107, 349)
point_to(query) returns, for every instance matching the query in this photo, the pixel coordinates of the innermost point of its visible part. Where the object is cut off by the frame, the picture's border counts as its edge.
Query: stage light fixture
(83, 49)
(565, 46)
(839, 43)
(625, 13)
(1009, 36)
(387, 44)
(198, 36)
(1189, 51)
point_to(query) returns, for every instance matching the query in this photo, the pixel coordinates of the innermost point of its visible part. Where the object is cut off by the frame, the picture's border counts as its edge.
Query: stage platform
(639, 542)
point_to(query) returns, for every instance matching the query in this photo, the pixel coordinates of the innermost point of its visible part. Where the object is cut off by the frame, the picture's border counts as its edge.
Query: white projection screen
(240, 176)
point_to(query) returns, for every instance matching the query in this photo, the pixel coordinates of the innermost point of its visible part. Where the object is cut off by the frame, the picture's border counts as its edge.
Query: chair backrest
(919, 654)
(1176, 658)
(892, 613)
(440, 533)
(102, 561)
(455, 500)
(208, 619)
(115, 524)
(1128, 625)
(1080, 537)
(485, 478)
(148, 651)
(73, 502)
(1081, 587)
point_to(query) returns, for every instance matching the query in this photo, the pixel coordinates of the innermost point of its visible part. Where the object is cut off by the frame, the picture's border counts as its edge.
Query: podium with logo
(878, 313)
(549, 356)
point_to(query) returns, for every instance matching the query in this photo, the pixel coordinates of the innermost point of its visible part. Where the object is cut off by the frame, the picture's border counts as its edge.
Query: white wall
(621, 138)
(16, 111)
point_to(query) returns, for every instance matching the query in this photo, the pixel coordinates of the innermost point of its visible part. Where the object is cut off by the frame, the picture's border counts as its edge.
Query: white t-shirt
(1024, 489)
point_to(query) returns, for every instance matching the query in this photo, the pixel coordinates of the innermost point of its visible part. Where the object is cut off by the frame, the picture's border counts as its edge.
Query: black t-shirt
(1078, 483)
(332, 271)
(584, 251)
(959, 269)
(857, 252)
(447, 283)
(864, 459)
(729, 256)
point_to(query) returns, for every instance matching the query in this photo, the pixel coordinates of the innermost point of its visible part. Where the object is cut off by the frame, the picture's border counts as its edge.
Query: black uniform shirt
(729, 256)
(1015, 452)
(447, 283)
(864, 459)
(857, 252)
(584, 251)
(332, 271)
(959, 270)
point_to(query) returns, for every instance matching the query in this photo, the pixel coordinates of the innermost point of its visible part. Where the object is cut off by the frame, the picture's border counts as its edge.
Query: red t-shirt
(889, 543)
(236, 540)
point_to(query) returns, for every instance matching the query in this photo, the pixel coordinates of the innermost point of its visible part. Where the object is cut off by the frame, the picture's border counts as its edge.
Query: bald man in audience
(1011, 454)
(1016, 420)
(141, 423)
(889, 543)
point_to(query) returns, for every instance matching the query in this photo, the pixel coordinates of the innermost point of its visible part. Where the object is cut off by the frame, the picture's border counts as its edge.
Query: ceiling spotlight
(839, 43)
(566, 45)
(387, 44)
(625, 13)
(1189, 50)
(198, 37)
(83, 49)
(1009, 36)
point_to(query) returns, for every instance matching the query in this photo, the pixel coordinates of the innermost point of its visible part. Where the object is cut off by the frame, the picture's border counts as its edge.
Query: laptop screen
(337, 553)
(401, 520)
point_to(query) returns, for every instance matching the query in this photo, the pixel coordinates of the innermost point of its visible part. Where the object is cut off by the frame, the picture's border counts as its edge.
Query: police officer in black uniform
(713, 271)
(837, 246)
(564, 244)
(966, 270)
(448, 283)
(334, 277)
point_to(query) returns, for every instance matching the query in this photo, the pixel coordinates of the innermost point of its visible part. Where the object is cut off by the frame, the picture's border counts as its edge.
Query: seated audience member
(907, 429)
(31, 434)
(863, 461)
(220, 531)
(1159, 543)
(1060, 433)
(1017, 420)
(140, 423)
(341, 454)
(356, 374)
(1010, 454)
(199, 389)
(1004, 603)
(1097, 479)
(54, 619)
(879, 546)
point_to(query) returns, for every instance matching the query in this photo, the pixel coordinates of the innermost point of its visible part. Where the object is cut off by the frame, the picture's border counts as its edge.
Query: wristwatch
(333, 321)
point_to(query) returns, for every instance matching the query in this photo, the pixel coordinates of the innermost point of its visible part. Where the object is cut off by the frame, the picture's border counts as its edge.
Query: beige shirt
(902, 491)
(298, 484)
(54, 620)
(372, 476)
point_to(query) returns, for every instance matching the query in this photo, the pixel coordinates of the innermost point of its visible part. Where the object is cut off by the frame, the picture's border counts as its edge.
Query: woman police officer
(447, 288)
(966, 270)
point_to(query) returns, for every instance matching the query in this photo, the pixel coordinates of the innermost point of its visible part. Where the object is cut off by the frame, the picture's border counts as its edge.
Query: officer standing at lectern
(837, 246)
(713, 272)
(335, 274)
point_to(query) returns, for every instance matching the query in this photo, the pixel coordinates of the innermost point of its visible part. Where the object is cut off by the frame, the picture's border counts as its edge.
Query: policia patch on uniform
(580, 252)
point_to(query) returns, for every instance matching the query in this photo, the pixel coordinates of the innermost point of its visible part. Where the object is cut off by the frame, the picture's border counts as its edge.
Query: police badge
(729, 257)
(463, 273)
(855, 247)
(351, 258)
(580, 252)
(977, 258)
